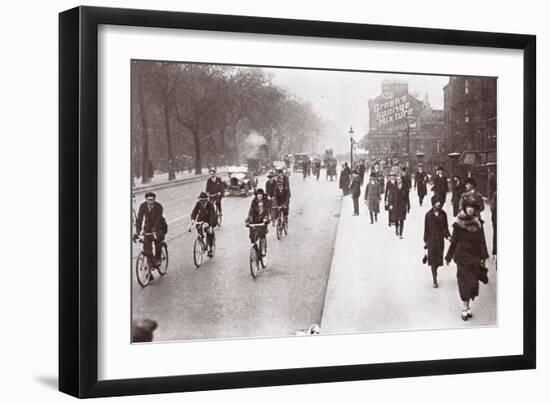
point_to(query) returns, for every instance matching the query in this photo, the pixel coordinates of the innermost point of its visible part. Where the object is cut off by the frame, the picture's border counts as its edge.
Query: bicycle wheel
(263, 251)
(142, 270)
(254, 261)
(198, 251)
(163, 267)
(285, 226)
(279, 229)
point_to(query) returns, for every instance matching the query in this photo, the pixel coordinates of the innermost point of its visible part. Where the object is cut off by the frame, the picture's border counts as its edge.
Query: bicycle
(282, 223)
(143, 269)
(200, 247)
(213, 198)
(258, 251)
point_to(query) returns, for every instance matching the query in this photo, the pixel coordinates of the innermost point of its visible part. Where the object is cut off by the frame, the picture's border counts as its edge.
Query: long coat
(372, 196)
(467, 248)
(436, 229)
(355, 187)
(458, 190)
(440, 187)
(397, 199)
(345, 178)
(420, 181)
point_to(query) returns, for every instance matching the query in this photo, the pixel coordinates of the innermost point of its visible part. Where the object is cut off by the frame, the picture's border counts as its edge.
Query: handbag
(482, 274)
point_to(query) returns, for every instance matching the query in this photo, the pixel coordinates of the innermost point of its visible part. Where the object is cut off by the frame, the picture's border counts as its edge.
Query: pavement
(161, 180)
(378, 283)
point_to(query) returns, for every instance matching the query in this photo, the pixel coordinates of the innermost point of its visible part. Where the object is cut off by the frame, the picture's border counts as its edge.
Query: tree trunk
(198, 160)
(171, 171)
(145, 135)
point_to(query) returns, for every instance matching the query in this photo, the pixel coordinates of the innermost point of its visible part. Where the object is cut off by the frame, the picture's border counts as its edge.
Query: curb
(163, 185)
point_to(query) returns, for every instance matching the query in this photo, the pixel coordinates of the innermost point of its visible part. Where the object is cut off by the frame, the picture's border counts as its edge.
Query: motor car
(298, 160)
(240, 182)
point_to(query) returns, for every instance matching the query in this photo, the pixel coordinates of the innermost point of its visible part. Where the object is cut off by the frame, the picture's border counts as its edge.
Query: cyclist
(258, 213)
(270, 186)
(216, 188)
(204, 211)
(150, 220)
(281, 198)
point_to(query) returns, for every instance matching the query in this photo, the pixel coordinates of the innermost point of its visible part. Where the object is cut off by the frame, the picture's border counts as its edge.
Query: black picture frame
(78, 196)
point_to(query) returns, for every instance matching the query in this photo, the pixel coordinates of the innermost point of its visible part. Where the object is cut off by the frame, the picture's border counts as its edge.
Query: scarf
(467, 222)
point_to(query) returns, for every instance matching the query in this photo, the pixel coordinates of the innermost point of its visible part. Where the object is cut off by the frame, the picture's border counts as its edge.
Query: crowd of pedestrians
(464, 232)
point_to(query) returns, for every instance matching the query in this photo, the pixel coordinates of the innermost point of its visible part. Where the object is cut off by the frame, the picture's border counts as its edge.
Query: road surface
(220, 299)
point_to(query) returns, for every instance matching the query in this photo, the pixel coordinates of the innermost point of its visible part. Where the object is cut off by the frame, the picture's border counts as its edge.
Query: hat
(435, 199)
(212, 170)
(372, 175)
(203, 195)
(471, 181)
(260, 191)
(471, 202)
(270, 175)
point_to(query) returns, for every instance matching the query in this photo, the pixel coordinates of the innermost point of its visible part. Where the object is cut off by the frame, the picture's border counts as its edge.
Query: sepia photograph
(272, 201)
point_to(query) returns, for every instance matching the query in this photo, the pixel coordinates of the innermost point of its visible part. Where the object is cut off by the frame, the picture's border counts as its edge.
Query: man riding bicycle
(258, 214)
(281, 198)
(152, 224)
(204, 211)
(215, 189)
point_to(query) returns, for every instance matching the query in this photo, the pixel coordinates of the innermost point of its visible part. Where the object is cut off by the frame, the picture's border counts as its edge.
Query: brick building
(387, 136)
(470, 114)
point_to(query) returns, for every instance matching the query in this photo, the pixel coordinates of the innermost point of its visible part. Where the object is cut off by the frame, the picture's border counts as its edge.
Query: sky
(342, 96)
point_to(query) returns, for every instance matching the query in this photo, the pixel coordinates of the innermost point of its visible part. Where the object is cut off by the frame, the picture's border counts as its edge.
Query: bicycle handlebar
(256, 224)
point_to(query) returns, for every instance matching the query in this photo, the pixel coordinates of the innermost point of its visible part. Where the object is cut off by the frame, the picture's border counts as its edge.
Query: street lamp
(351, 132)
(408, 133)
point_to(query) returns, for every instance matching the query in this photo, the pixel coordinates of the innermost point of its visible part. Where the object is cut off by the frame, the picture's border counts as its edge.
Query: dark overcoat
(436, 229)
(420, 181)
(149, 220)
(355, 187)
(398, 201)
(372, 196)
(440, 187)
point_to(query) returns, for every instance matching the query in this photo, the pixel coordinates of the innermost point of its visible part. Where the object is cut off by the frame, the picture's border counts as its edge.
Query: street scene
(271, 202)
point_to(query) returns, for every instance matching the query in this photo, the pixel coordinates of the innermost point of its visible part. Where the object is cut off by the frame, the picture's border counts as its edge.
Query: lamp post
(408, 134)
(351, 132)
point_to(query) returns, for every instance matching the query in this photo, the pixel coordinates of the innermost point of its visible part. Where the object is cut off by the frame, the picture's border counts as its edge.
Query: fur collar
(467, 222)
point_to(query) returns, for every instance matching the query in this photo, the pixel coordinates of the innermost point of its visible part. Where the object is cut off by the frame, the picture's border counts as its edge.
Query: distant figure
(142, 330)
(389, 195)
(345, 178)
(398, 206)
(471, 195)
(406, 178)
(440, 186)
(355, 190)
(494, 221)
(420, 183)
(458, 189)
(372, 198)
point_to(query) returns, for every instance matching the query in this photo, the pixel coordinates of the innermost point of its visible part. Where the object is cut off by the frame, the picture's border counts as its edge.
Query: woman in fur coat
(469, 250)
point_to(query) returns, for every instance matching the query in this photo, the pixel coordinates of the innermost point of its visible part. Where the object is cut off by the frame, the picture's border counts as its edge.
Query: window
(466, 87)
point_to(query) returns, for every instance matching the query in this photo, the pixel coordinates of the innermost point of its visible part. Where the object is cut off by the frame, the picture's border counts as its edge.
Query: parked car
(240, 182)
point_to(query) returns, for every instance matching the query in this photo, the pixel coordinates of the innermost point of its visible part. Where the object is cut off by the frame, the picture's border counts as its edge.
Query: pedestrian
(398, 206)
(420, 183)
(458, 189)
(469, 251)
(440, 186)
(355, 190)
(389, 195)
(406, 178)
(345, 178)
(436, 229)
(379, 177)
(494, 221)
(362, 170)
(472, 195)
(372, 198)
